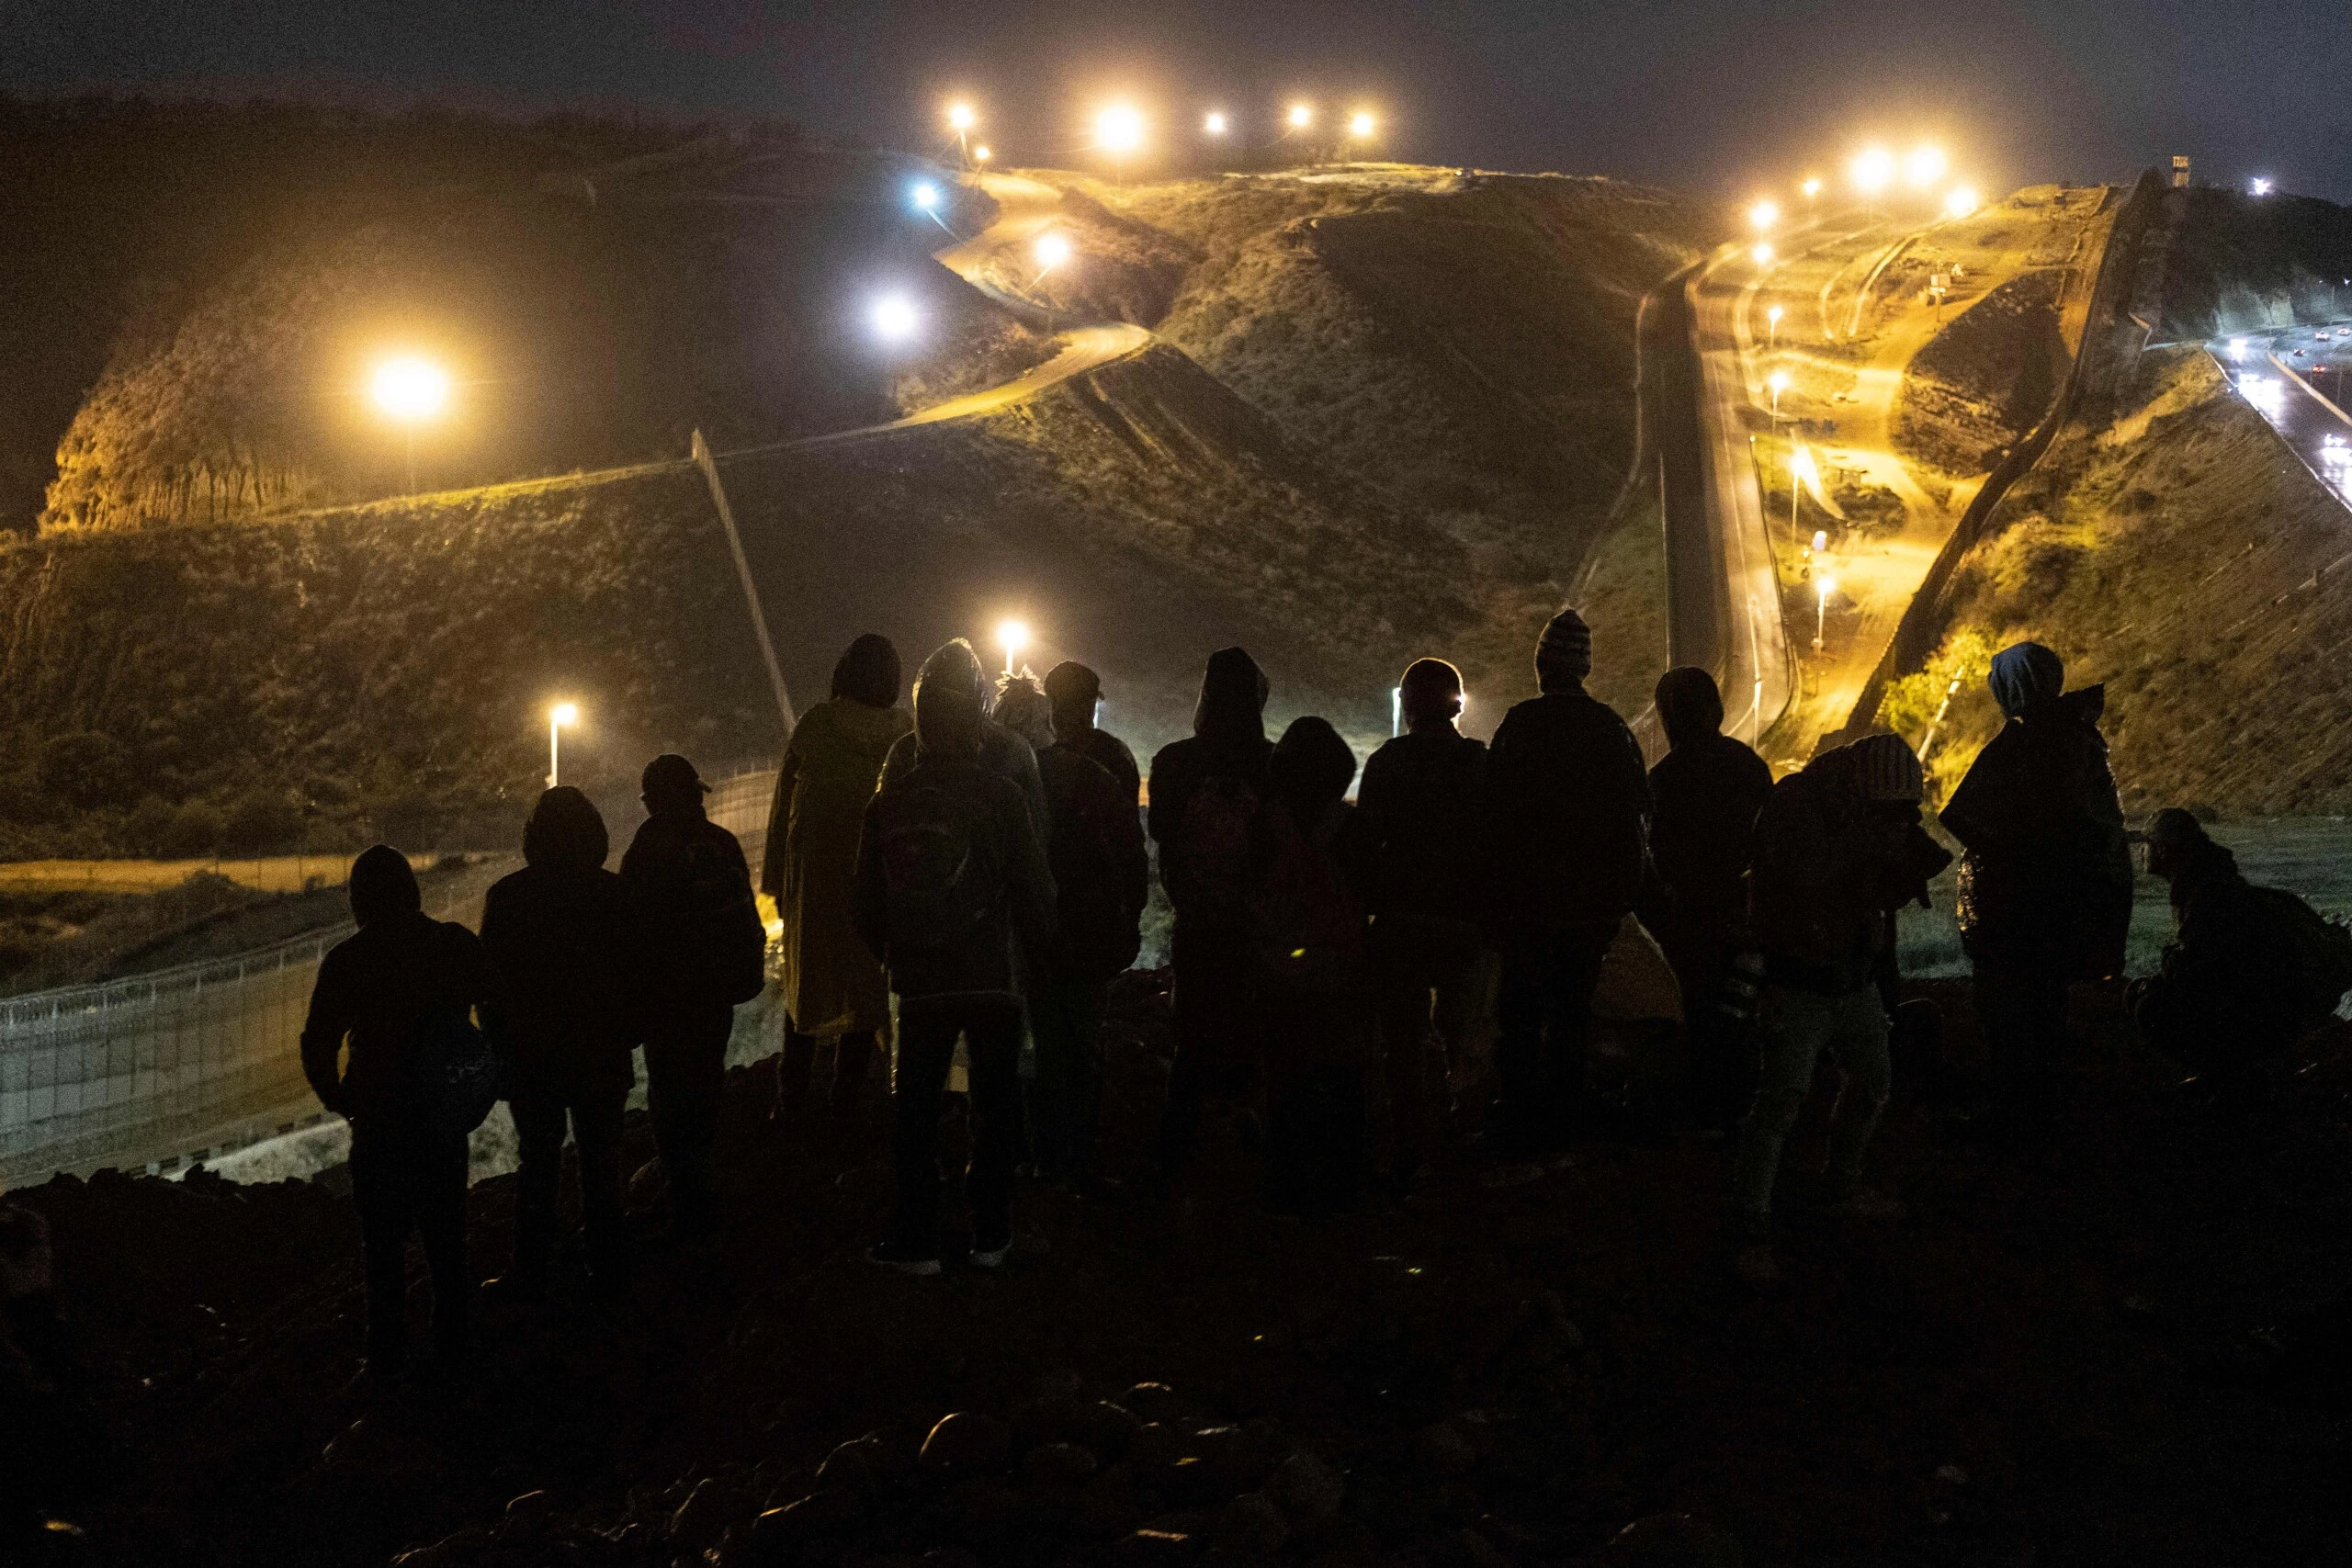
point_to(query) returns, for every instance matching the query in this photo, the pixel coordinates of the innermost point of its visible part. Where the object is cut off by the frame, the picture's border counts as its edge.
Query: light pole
(961, 119)
(1779, 382)
(1053, 250)
(1771, 326)
(1823, 586)
(410, 389)
(1118, 131)
(558, 716)
(895, 320)
(1012, 637)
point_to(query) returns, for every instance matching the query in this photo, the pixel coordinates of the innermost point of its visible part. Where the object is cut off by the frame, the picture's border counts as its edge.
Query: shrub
(196, 829)
(87, 769)
(261, 822)
(148, 826)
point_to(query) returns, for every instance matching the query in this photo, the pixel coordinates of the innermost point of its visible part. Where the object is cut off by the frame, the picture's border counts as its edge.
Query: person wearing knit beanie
(1564, 653)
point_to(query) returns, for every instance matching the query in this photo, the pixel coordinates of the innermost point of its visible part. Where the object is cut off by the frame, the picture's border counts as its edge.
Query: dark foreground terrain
(2045, 1363)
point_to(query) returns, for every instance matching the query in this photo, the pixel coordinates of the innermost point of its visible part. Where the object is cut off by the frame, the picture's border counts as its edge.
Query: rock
(1153, 1548)
(1308, 1489)
(1478, 1552)
(1251, 1454)
(1671, 1540)
(779, 1533)
(1250, 1526)
(1109, 1429)
(1156, 1447)
(1106, 1504)
(949, 1557)
(968, 1441)
(863, 1464)
(1443, 1447)
(705, 1513)
(1155, 1402)
(1058, 1464)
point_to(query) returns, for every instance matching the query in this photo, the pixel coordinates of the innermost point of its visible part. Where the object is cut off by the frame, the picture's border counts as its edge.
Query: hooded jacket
(830, 769)
(1421, 812)
(1828, 870)
(690, 898)
(2227, 989)
(1705, 794)
(2045, 886)
(1221, 765)
(1565, 796)
(559, 933)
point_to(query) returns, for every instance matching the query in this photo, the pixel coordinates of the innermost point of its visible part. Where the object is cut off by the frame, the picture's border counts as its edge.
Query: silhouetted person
(54, 1452)
(1003, 753)
(560, 932)
(2045, 886)
(1317, 992)
(951, 885)
(705, 949)
(1704, 794)
(833, 986)
(379, 991)
(1206, 792)
(1102, 876)
(1837, 847)
(2245, 974)
(1420, 815)
(1076, 694)
(1565, 795)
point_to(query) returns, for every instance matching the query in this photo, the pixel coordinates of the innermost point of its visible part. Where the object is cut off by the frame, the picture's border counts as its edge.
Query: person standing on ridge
(1102, 877)
(833, 986)
(705, 949)
(380, 991)
(1566, 799)
(1705, 794)
(1207, 793)
(1420, 815)
(2045, 886)
(1076, 693)
(560, 932)
(952, 887)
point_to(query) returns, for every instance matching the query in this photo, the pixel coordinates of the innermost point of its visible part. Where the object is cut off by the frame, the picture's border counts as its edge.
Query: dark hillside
(2234, 262)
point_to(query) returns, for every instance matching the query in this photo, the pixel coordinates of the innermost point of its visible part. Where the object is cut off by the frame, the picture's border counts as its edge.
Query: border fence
(143, 1072)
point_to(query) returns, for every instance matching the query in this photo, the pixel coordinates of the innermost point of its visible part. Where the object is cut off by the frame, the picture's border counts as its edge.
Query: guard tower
(2180, 171)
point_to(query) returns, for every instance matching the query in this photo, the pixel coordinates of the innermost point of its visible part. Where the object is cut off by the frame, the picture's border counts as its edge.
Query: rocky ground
(2044, 1363)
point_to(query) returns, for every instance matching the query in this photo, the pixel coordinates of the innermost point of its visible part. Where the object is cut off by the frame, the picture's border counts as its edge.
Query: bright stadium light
(924, 194)
(894, 318)
(1012, 637)
(1052, 251)
(2260, 185)
(1763, 253)
(558, 716)
(410, 389)
(1923, 167)
(1301, 116)
(1215, 124)
(960, 117)
(1812, 187)
(1764, 214)
(1361, 125)
(1118, 129)
(1960, 201)
(1873, 168)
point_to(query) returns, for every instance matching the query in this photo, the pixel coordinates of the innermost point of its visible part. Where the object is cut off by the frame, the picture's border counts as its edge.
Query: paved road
(2301, 395)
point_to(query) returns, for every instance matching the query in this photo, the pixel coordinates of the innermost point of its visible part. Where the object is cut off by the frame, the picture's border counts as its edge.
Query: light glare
(1812, 187)
(1012, 637)
(2260, 185)
(1960, 201)
(1360, 126)
(982, 154)
(1216, 122)
(565, 713)
(1764, 214)
(411, 388)
(1301, 117)
(894, 318)
(924, 194)
(1763, 253)
(1873, 167)
(1119, 129)
(960, 116)
(1925, 167)
(1052, 250)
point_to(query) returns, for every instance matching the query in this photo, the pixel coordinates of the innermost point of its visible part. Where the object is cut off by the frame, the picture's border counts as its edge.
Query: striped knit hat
(1884, 769)
(1564, 653)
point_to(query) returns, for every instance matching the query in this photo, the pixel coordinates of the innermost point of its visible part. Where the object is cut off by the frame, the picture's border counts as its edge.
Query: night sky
(1703, 93)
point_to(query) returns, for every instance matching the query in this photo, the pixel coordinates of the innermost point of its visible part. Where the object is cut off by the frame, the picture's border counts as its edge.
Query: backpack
(454, 1073)
(1216, 827)
(739, 952)
(939, 888)
(2315, 951)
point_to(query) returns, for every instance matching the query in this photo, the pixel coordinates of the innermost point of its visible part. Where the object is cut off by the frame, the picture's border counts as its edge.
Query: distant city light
(894, 318)
(1361, 125)
(982, 154)
(1925, 165)
(2260, 185)
(960, 117)
(1873, 168)
(410, 389)
(1118, 129)
(1812, 187)
(1216, 123)
(1301, 117)
(1764, 214)
(924, 194)
(1960, 201)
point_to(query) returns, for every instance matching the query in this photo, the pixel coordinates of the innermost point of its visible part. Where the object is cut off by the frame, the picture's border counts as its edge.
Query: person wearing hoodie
(832, 987)
(1076, 693)
(1420, 814)
(2045, 884)
(1206, 792)
(1003, 753)
(1837, 849)
(1705, 794)
(1102, 876)
(376, 992)
(704, 950)
(952, 887)
(1566, 799)
(559, 933)
(1316, 974)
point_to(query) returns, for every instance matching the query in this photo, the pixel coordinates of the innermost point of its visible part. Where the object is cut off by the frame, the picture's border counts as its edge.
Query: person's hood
(2200, 866)
(1690, 707)
(2023, 676)
(565, 828)
(1311, 768)
(1233, 697)
(383, 889)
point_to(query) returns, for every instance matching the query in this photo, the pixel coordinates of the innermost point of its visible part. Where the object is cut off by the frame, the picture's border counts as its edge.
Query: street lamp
(923, 195)
(1762, 253)
(1118, 130)
(1812, 188)
(1012, 637)
(558, 716)
(1771, 326)
(1360, 126)
(410, 389)
(1301, 116)
(1764, 214)
(1924, 166)
(2258, 186)
(1800, 470)
(1873, 168)
(960, 120)
(1779, 382)
(1215, 124)
(1823, 586)
(982, 154)
(894, 318)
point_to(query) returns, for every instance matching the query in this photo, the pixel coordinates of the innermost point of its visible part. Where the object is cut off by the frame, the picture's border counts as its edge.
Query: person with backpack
(400, 994)
(559, 933)
(1315, 975)
(1102, 877)
(1077, 695)
(1705, 794)
(704, 950)
(832, 987)
(1420, 815)
(1837, 847)
(2249, 969)
(2045, 883)
(1206, 791)
(1003, 753)
(1566, 799)
(952, 886)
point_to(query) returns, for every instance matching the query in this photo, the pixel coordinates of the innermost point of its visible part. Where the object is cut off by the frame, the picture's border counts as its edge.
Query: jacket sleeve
(870, 906)
(331, 1017)
(779, 822)
(1029, 881)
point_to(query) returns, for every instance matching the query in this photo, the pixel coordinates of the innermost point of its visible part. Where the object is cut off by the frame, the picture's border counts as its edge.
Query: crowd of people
(974, 874)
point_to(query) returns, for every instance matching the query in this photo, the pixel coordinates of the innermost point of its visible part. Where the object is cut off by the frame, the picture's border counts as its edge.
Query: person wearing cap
(1076, 694)
(375, 991)
(2045, 884)
(1837, 849)
(703, 950)
(1419, 813)
(1566, 798)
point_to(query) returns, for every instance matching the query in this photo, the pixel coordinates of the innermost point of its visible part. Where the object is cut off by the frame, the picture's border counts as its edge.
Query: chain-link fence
(143, 1072)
